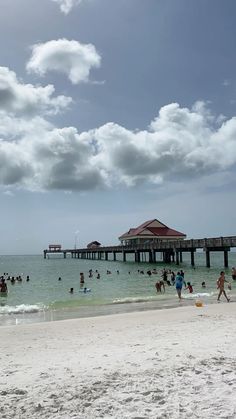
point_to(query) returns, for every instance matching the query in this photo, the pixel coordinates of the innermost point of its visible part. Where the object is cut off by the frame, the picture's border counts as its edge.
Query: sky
(113, 113)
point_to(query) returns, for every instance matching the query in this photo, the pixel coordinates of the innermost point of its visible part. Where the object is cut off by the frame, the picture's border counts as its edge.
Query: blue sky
(113, 113)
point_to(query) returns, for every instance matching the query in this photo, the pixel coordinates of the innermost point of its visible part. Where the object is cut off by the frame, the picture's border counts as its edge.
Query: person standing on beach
(179, 282)
(221, 286)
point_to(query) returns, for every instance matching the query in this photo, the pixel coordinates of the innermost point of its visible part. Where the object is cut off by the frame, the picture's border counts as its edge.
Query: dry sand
(175, 363)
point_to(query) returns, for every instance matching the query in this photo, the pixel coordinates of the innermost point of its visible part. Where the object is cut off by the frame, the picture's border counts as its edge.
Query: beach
(171, 363)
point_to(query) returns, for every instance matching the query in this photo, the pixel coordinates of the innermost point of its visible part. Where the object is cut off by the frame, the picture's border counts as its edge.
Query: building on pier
(149, 232)
(93, 245)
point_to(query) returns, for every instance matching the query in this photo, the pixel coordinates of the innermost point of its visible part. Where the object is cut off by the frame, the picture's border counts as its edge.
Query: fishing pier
(171, 251)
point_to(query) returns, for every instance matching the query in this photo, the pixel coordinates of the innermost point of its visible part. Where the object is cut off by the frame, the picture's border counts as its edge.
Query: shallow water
(46, 298)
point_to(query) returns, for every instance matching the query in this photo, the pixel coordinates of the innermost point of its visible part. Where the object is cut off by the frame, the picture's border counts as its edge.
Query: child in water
(189, 287)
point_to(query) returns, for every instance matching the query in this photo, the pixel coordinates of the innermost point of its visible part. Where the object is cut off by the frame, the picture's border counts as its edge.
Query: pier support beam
(114, 256)
(154, 256)
(226, 261)
(137, 256)
(208, 260)
(106, 255)
(45, 254)
(167, 256)
(192, 258)
(124, 256)
(177, 258)
(150, 256)
(64, 254)
(180, 257)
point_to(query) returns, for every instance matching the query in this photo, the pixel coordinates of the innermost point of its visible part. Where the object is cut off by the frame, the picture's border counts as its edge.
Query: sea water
(45, 298)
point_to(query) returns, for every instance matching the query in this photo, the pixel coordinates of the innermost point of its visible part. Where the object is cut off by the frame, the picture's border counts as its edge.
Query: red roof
(154, 231)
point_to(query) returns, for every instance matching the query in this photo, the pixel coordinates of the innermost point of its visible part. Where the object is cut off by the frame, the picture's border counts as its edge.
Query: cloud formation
(26, 99)
(67, 5)
(180, 144)
(68, 57)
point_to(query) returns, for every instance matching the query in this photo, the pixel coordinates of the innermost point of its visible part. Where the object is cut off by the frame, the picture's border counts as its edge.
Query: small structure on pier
(54, 247)
(93, 245)
(149, 232)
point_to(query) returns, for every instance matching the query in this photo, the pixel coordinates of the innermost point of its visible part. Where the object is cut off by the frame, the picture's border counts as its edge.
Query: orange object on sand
(198, 303)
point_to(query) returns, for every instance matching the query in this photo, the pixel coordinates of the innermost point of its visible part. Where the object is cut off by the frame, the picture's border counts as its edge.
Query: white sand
(176, 363)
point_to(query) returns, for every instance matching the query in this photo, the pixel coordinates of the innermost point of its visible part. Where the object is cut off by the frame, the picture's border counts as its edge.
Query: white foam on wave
(199, 295)
(134, 300)
(22, 308)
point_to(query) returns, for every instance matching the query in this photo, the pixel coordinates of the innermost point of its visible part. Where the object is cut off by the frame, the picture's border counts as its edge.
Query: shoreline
(173, 363)
(84, 311)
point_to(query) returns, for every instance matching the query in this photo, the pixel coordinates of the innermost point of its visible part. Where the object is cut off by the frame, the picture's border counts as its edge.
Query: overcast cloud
(68, 57)
(36, 155)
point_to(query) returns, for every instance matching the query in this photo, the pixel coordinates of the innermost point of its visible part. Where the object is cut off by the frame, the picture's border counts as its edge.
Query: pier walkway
(172, 251)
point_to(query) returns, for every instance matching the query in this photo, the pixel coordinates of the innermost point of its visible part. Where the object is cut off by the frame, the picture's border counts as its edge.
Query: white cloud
(68, 57)
(67, 5)
(180, 145)
(26, 99)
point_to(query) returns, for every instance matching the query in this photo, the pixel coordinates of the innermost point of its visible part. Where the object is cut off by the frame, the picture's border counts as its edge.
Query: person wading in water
(221, 286)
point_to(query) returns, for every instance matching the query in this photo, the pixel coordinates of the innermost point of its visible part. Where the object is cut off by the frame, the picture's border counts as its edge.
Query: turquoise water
(46, 298)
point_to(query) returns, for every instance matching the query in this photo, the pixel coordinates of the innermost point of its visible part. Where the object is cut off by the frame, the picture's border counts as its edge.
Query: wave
(134, 300)
(22, 308)
(199, 295)
(157, 298)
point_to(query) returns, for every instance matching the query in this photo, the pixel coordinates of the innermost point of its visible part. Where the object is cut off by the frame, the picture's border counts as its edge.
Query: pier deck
(171, 250)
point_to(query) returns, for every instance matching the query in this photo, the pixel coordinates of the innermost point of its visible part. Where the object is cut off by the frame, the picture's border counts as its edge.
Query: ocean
(45, 298)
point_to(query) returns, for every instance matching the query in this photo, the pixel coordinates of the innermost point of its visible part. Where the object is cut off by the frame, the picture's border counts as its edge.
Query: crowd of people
(179, 282)
(8, 278)
(168, 278)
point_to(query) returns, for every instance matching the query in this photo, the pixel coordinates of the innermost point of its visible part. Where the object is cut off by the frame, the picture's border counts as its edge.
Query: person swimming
(85, 290)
